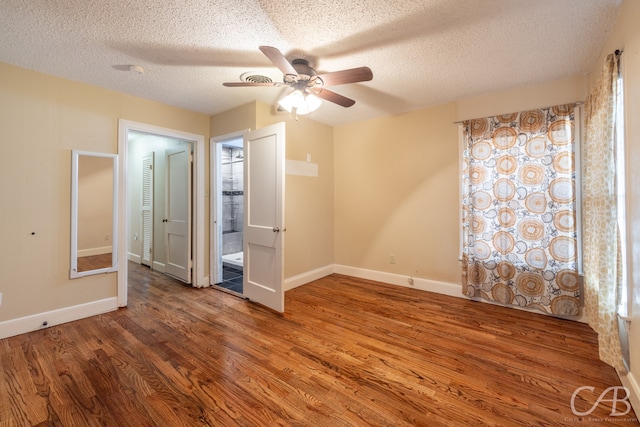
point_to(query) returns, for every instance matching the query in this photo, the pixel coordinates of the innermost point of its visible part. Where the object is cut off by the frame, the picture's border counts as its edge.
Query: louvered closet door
(147, 210)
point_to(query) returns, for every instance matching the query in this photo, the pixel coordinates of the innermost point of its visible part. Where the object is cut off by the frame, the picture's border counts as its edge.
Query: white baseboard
(95, 251)
(631, 383)
(450, 289)
(155, 265)
(134, 257)
(37, 321)
(158, 266)
(309, 276)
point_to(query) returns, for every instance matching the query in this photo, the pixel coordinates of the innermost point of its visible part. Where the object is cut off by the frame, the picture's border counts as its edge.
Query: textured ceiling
(421, 52)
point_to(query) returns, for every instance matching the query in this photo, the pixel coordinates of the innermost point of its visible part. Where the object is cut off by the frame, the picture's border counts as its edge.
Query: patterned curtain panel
(519, 210)
(602, 263)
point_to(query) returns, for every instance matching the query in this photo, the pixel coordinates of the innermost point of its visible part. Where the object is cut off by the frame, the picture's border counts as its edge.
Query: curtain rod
(459, 122)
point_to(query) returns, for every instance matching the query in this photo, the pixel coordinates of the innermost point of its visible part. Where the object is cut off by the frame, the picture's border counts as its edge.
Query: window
(519, 217)
(623, 308)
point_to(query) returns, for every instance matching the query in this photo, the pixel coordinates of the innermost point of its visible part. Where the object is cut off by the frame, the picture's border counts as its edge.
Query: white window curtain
(519, 228)
(603, 285)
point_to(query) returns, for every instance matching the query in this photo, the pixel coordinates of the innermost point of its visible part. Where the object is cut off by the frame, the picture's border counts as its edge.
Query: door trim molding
(198, 231)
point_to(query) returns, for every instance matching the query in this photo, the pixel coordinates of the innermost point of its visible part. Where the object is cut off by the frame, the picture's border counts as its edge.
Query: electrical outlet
(392, 258)
(410, 281)
(106, 237)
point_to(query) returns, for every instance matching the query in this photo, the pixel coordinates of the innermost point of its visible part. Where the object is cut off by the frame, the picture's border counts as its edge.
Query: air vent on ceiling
(252, 77)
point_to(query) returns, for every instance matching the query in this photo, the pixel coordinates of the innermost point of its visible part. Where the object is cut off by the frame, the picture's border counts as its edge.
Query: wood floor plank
(20, 402)
(346, 352)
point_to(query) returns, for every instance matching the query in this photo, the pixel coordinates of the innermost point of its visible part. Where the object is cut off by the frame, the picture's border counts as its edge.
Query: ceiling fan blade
(330, 96)
(278, 60)
(353, 75)
(244, 84)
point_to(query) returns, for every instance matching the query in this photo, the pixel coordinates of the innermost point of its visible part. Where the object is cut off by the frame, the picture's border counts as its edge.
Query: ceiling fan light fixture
(302, 102)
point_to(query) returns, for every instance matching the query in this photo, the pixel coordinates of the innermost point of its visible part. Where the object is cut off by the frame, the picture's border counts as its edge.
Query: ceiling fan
(308, 86)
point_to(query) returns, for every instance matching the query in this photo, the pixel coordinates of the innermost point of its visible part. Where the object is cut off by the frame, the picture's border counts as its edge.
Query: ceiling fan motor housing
(305, 78)
(303, 68)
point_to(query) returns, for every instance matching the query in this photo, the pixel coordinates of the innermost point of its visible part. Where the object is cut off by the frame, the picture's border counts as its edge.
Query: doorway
(263, 156)
(159, 209)
(129, 235)
(228, 207)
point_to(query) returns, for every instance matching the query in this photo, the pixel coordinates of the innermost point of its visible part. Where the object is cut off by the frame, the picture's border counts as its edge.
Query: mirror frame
(75, 158)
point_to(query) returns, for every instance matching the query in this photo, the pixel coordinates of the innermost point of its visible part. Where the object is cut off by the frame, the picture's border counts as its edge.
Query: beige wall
(626, 37)
(234, 120)
(396, 193)
(523, 98)
(42, 119)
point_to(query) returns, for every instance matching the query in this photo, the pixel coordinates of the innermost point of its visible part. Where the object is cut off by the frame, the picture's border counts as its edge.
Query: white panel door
(178, 214)
(264, 216)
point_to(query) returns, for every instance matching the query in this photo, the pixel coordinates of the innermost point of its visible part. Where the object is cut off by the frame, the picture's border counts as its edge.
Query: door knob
(165, 220)
(276, 229)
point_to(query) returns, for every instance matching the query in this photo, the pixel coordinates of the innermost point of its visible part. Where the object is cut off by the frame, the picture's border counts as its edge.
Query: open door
(178, 214)
(264, 216)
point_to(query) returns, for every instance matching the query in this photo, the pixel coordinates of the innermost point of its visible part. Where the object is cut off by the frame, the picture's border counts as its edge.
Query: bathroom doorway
(227, 191)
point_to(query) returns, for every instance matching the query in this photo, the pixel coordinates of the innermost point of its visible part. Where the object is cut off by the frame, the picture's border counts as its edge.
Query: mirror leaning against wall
(94, 219)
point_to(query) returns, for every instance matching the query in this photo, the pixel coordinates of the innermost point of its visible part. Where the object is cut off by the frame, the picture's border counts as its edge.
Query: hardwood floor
(347, 352)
